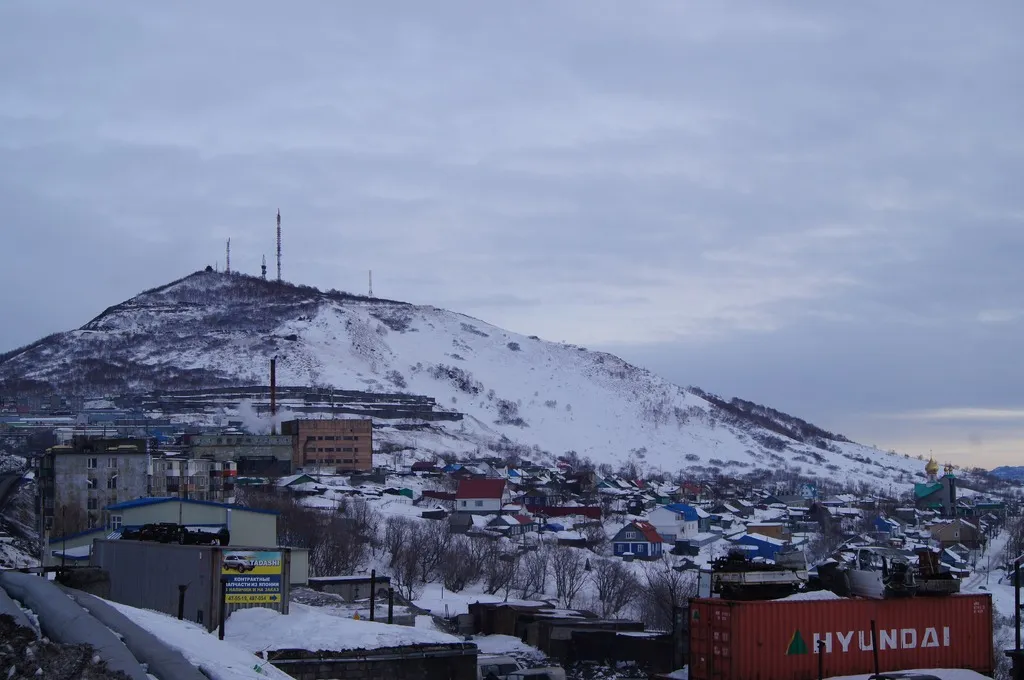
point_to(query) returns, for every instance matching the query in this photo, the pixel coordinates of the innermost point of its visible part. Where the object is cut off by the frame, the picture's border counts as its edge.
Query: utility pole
(371, 283)
(263, 269)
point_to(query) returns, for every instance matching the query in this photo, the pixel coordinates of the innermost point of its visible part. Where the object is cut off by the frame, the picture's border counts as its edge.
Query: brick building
(343, 444)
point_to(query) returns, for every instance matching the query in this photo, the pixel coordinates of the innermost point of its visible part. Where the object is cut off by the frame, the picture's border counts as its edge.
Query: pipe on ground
(8, 607)
(64, 621)
(161, 660)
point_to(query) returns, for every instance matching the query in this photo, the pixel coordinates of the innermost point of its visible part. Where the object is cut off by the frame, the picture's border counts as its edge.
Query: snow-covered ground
(222, 659)
(313, 628)
(442, 602)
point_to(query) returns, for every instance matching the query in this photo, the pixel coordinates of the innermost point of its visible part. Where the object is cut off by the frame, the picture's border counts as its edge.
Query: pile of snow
(811, 595)
(312, 628)
(506, 645)
(220, 659)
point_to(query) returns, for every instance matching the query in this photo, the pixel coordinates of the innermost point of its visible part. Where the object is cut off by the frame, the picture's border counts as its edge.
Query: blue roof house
(767, 547)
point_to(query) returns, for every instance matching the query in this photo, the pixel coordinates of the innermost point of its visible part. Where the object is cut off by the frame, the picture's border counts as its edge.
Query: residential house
(675, 522)
(513, 525)
(888, 525)
(764, 546)
(479, 496)
(950, 533)
(639, 540)
(776, 530)
(300, 485)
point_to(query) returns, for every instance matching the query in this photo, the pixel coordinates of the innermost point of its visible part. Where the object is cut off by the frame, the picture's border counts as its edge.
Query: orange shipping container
(779, 640)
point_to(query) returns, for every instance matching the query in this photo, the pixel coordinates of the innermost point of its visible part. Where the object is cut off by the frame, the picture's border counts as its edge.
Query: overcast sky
(814, 205)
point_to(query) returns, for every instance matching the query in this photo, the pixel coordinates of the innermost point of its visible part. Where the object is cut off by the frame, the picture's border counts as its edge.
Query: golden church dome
(932, 468)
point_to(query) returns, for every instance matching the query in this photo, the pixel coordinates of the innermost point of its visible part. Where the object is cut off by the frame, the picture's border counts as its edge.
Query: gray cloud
(828, 191)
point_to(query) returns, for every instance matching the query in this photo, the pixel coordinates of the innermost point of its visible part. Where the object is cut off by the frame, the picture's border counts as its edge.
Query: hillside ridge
(517, 392)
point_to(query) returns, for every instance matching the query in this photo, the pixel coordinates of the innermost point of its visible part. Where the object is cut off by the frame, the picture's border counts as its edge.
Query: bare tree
(462, 564)
(568, 566)
(532, 579)
(663, 591)
(596, 537)
(500, 568)
(615, 584)
(430, 541)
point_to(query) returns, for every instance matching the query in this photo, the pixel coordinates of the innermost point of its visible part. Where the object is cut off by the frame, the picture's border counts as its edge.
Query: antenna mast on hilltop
(263, 269)
(371, 283)
(227, 259)
(279, 245)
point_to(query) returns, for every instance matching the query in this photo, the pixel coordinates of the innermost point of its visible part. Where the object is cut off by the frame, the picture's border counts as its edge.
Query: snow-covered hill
(212, 329)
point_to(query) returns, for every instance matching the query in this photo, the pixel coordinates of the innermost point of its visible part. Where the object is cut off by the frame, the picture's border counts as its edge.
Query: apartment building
(254, 454)
(343, 444)
(200, 479)
(77, 480)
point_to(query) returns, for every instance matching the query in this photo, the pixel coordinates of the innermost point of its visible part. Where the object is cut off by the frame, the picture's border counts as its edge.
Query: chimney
(273, 395)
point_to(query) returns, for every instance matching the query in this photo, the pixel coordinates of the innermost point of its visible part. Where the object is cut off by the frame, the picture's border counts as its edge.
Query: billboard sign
(252, 577)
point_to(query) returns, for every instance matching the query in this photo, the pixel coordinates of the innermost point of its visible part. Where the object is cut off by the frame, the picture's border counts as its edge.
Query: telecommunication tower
(227, 259)
(263, 269)
(371, 283)
(279, 244)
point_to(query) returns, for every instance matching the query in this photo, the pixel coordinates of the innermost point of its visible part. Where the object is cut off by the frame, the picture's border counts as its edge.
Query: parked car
(547, 673)
(496, 667)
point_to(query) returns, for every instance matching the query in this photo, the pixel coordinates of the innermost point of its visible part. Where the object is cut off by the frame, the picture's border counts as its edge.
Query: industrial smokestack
(273, 395)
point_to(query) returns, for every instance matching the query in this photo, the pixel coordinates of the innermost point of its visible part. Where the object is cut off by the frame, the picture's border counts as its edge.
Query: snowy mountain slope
(213, 329)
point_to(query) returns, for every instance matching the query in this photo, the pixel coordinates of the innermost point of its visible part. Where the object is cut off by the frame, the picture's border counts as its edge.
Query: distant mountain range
(1012, 473)
(518, 393)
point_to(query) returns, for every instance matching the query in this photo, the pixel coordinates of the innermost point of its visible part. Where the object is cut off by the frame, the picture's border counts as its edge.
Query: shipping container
(782, 640)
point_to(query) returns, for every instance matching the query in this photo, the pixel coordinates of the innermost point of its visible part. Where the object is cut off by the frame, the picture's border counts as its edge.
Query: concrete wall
(252, 528)
(300, 566)
(147, 575)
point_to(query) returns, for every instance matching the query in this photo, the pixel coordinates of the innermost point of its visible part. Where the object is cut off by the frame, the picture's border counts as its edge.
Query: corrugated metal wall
(145, 574)
(776, 640)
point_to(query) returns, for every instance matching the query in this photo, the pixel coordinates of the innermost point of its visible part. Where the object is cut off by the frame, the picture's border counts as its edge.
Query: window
(112, 482)
(630, 535)
(92, 504)
(91, 463)
(478, 504)
(463, 503)
(90, 483)
(115, 522)
(112, 463)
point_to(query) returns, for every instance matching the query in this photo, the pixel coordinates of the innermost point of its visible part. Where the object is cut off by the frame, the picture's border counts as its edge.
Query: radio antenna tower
(371, 283)
(227, 259)
(263, 269)
(279, 245)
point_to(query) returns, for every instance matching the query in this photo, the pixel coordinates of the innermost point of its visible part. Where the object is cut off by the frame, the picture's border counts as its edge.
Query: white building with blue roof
(676, 521)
